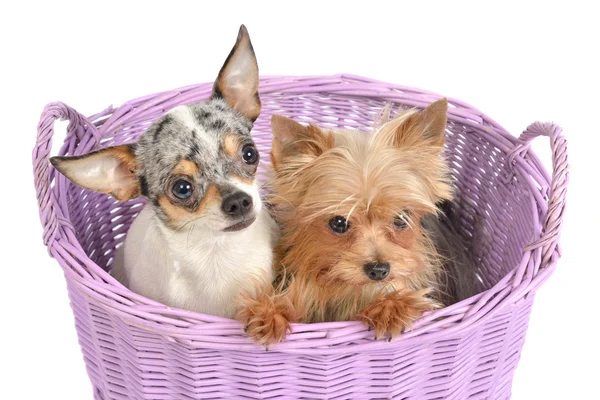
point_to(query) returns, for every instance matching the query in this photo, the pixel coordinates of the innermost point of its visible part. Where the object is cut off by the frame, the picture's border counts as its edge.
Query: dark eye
(339, 224)
(250, 154)
(401, 221)
(182, 189)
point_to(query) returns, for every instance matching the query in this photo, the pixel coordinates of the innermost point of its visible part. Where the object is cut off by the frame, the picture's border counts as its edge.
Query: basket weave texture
(508, 207)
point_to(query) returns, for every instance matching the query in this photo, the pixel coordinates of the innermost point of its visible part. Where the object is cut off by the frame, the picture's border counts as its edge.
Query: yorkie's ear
(425, 127)
(286, 131)
(290, 138)
(111, 170)
(237, 82)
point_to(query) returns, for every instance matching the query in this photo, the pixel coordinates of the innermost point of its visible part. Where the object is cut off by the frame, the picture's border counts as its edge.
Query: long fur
(458, 280)
(369, 180)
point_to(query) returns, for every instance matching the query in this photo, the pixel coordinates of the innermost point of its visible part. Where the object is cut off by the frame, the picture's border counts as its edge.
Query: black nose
(377, 271)
(237, 204)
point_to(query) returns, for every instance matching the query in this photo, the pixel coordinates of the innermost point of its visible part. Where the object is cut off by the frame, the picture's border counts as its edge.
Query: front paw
(266, 319)
(392, 313)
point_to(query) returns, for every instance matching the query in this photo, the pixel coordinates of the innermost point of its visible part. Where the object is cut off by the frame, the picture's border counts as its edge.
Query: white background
(517, 62)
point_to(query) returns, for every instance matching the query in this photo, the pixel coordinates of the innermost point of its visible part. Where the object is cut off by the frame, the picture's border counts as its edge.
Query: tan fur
(242, 179)
(231, 145)
(186, 167)
(389, 314)
(124, 154)
(111, 171)
(368, 179)
(178, 215)
(132, 189)
(267, 315)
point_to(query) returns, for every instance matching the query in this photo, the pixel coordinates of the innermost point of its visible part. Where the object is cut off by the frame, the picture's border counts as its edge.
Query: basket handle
(78, 128)
(558, 186)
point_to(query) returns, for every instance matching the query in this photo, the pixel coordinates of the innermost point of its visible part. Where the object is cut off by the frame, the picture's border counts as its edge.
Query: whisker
(273, 196)
(179, 229)
(187, 244)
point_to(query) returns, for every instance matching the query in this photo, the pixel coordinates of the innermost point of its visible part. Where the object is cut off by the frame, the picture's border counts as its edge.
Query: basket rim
(200, 330)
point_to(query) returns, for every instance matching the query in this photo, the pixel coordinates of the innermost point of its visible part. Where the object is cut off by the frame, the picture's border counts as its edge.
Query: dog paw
(266, 319)
(393, 313)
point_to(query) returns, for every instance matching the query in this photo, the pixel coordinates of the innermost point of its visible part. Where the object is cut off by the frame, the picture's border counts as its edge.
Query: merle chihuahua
(203, 236)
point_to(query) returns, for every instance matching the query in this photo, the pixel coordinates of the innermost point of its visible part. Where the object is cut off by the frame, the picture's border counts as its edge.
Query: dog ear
(294, 139)
(111, 170)
(427, 126)
(237, 82)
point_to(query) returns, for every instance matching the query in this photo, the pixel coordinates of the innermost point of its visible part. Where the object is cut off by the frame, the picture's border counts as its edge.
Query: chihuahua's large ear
(427, 126)
(291, 138)
(237, 82)
(111, 170)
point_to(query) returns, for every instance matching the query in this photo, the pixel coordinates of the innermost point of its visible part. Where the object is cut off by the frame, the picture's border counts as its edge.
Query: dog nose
(237, 204)
(377, 271)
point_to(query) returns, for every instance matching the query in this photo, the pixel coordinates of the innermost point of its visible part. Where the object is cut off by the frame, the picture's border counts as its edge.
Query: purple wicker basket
(134, 348)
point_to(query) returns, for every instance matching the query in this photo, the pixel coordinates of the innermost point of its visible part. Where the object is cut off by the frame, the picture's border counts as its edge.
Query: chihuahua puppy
(202, 237)
(352, 207)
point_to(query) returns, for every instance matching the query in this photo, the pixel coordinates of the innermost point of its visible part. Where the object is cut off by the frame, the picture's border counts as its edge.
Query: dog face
(352, 203)
(197, 163)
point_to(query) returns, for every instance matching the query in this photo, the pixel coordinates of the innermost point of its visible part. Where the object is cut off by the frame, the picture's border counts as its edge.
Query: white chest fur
(195, 269)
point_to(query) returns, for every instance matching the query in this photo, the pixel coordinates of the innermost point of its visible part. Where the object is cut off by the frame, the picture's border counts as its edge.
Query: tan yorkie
(353, 208)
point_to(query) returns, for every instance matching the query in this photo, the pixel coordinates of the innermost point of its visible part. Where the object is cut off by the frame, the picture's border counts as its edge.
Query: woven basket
(135, 348)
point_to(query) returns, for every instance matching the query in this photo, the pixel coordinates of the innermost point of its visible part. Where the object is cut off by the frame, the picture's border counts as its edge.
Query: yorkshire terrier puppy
(352, 207)
(203, 236)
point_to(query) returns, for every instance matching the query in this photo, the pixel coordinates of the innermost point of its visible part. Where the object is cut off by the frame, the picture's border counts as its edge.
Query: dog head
(351, 203)
(197, 163)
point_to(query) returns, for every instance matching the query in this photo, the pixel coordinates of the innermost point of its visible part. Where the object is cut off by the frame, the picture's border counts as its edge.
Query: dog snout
(237, 205)
(377, 271)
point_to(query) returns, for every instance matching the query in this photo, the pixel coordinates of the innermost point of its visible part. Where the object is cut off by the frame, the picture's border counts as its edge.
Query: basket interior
(494, 209)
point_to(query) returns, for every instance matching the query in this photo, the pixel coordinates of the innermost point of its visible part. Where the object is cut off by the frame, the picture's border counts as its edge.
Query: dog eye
(182, 189)
(250, 154)
(400, 221)
(338, 224)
